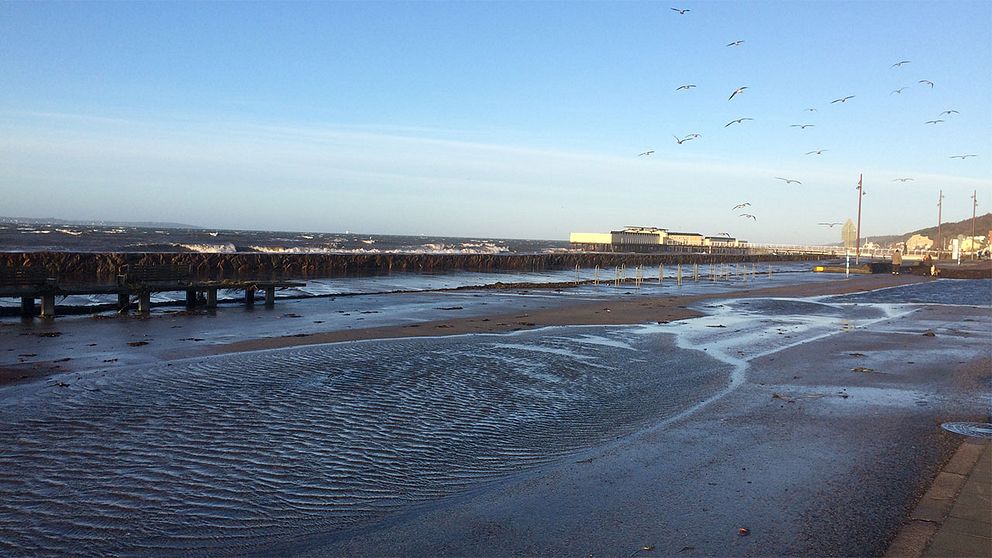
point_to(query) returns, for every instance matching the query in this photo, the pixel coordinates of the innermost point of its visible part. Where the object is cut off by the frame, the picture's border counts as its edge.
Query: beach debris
(684, 548)
(862, 369)
(857, 354)
(783, 398)
(450, 308)
(645, 548)
(444, 326)
(59, 383)
(66, 359)
(291, 315)
(137, 343)
(718, 325)
(370, 311)
(743, 531)
(26, 355)
(48, 333)
(110, 360)
(929, 333)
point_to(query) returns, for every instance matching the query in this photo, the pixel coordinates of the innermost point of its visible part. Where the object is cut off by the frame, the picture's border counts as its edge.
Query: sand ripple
(226, 454)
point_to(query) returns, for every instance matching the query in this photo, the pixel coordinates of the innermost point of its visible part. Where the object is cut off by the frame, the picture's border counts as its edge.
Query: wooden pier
(133, 282)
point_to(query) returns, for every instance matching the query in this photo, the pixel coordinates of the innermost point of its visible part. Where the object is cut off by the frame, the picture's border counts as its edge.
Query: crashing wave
(226, 248)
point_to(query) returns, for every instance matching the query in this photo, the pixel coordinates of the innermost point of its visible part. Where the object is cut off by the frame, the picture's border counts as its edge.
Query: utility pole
(940, 207)
(857, 243)
(974, 206)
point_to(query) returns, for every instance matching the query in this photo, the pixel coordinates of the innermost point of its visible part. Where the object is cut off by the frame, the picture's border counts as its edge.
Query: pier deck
(198, 292)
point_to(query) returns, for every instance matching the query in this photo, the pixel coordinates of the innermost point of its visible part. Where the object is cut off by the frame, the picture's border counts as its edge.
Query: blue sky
(511, 119)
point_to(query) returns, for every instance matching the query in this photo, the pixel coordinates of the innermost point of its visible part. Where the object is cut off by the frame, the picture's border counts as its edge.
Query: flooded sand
(559, 440)
(220, 454)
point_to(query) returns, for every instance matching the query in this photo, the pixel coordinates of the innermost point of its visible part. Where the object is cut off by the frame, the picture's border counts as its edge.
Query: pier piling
(270, 297)
(47, 306)
(144, 302)
(27, 306)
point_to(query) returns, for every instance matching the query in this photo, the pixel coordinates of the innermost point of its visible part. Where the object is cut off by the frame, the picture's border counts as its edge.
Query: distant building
(972, 243)
(639, 235)
(685, 239)
(849, 234)
(652, 239)
(720, 241)
(919, 242)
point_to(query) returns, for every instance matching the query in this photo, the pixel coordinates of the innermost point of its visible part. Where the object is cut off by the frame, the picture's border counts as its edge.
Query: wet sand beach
(529, 422)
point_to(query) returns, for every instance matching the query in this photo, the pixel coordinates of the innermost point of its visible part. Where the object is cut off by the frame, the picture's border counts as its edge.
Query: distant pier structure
(655, 239)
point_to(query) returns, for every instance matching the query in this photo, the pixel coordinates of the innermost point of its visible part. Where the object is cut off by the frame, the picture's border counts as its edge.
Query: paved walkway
(954, 517)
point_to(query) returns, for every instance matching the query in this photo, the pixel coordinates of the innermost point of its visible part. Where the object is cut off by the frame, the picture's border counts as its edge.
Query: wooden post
(144, 302)
(211, 297)
(250, 295)
(190, 299)
(123, 301)
(47, 306)
(270, 296)
(27, 306)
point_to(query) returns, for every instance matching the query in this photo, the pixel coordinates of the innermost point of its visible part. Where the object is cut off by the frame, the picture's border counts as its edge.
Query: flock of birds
(740, 121)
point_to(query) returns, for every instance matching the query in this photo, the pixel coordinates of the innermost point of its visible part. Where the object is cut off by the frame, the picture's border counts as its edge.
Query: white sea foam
(226, 248)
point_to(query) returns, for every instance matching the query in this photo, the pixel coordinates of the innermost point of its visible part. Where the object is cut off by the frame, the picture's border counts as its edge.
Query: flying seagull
(735, 43)
(926, 82)
(801, 126)
(681, 12)
(933, 121)
(738, 121)
(724, 234)
(898, 91)
(963, 157)
(811, 110)
(817, 151)
(788, 180)
(842, 99)
(687, 87)
(907, 179)
(831, 225)
(952, 111)
(645, 153)
(740, 205)
(682, 140)
(738, 90)
(693, 136)
(900, 63)
(748, 216)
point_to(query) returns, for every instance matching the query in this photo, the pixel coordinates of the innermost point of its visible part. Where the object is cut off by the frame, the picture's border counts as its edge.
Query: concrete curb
(928, 530)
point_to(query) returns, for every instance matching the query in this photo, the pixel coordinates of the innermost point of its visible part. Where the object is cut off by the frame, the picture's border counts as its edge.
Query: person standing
(896, 262)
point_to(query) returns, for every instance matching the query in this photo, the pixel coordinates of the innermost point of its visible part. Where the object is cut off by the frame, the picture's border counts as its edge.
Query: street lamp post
(940, 207)
(974, 206)
(857, 243)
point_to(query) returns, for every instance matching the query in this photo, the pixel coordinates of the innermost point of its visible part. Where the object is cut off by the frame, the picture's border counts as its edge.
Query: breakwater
(104, 267)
